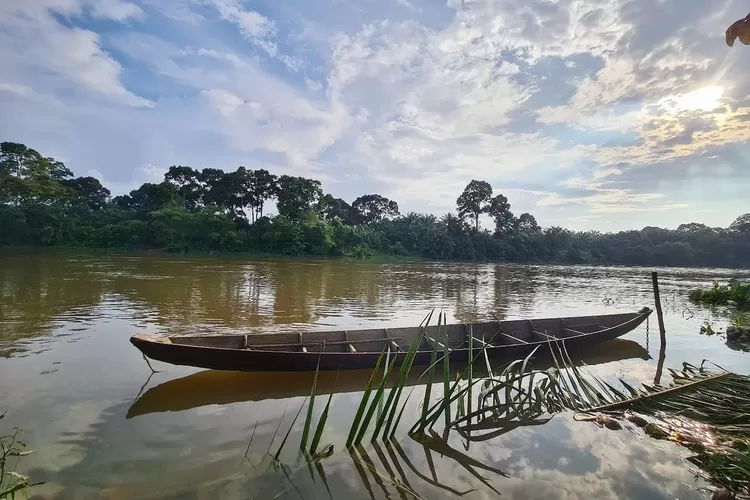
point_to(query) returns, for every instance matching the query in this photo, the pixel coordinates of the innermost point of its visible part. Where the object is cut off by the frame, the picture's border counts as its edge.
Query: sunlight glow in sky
(605, 115)
(703, 99)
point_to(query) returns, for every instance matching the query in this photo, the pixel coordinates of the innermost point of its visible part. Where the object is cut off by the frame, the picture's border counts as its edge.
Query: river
(72, 381)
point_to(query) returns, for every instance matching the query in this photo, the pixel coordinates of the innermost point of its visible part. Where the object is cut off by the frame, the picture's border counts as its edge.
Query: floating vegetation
(707, 412)
(733, 293)
(737, 332)
(707, 328)
(736, 295)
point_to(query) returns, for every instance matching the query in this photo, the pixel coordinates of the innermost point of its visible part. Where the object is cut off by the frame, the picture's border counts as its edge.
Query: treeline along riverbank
(43, 204)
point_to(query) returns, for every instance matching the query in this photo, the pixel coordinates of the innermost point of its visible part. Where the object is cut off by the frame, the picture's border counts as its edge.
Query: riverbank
(374, 258)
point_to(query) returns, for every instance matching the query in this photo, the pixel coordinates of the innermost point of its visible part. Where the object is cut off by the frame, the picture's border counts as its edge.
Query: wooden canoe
(213, 387)
(360, 349)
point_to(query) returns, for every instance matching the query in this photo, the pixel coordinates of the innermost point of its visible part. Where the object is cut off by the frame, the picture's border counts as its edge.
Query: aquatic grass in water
(388, 419)
(283, 441)
(363, 404)
(323, 417)
(395, 392)
(12, 483)
(308, 419)
(321, 426)
(704, 410)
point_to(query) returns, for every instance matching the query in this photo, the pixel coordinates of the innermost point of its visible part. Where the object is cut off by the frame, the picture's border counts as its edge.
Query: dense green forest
(43, 204)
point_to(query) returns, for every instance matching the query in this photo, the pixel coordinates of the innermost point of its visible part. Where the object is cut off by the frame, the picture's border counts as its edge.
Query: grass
(740, 319)
(12, 484)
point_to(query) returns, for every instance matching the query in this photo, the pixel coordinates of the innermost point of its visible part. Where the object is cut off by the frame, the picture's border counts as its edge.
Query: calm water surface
(72, 381)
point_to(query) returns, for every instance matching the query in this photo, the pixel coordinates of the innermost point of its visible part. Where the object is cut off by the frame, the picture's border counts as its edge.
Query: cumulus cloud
(572, 109)
(116, 10)
(40, 52)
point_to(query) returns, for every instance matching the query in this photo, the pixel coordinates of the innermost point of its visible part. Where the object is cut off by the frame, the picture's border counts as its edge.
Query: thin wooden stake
(659, 315)
(660, 364)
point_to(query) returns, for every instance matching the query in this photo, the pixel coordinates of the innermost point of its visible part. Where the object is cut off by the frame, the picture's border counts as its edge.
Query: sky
(590, 114)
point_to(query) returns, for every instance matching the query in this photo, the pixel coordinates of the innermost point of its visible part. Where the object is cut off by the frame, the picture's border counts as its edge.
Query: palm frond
(707, 410)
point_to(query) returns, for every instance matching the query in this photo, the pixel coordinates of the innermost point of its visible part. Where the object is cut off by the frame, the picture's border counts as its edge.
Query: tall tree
(241, 191)
(741, 224)
(297, 195)
(123, 201)
(150, 197)
(499, 209)
(87, 191)
(474, 200)
(265, 187)
(11, 157)
(216, 189)
(334, 208)
(26, 175)
(11, 184)
(188, 183)
(526, 223)
(693, 227)
(374, 208)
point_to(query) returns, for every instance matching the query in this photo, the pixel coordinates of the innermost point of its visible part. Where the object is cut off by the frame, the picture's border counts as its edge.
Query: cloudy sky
(605, 115)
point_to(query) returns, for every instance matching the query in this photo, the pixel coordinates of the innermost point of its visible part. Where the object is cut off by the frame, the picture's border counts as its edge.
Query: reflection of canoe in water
(214, 387)
(360, 349)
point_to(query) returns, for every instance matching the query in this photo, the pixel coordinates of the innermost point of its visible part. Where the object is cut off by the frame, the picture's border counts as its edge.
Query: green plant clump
(733, 292)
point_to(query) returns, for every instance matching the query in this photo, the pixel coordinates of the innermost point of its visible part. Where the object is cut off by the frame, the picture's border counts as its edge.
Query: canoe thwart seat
(320, 342)
(583, 328)
(481, 342)
(392, 342)
(470, 336)
(433, 343)
(246, 344)
(500, 332)
(548, 337)
(570, 330)
(349, 345)
(506, 335)
(541, 334)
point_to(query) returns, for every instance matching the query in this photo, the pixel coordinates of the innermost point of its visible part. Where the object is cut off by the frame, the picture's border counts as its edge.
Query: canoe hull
(216, 358)
(219, 387)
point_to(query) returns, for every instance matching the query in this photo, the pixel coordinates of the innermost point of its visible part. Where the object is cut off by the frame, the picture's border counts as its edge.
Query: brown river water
(72, 381)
